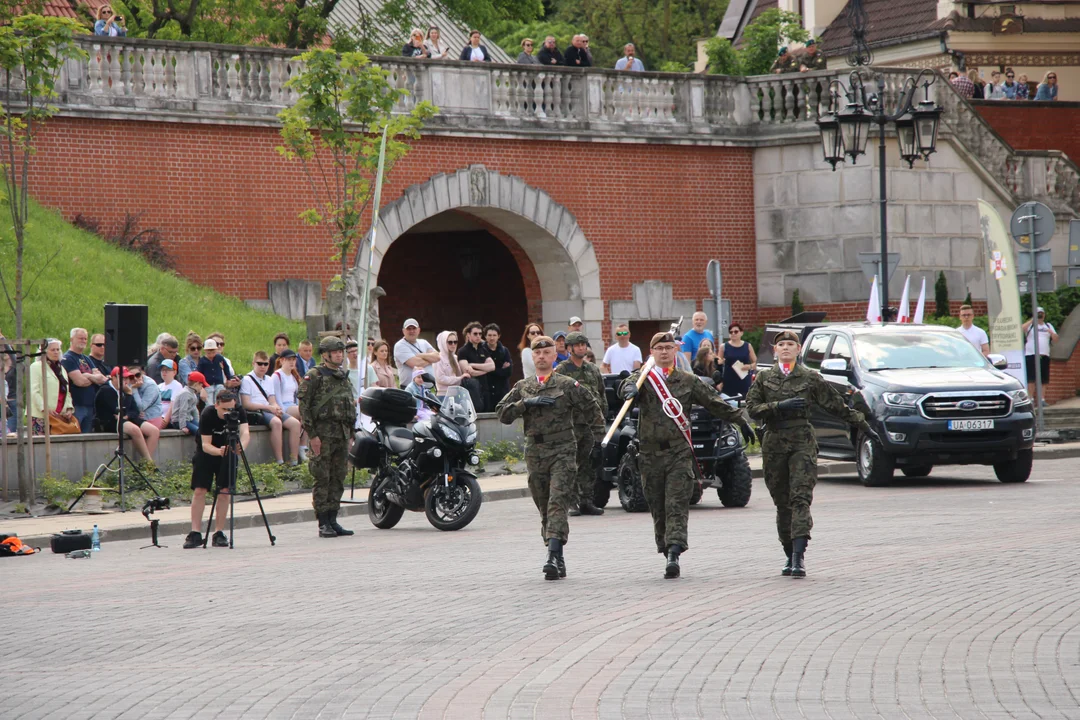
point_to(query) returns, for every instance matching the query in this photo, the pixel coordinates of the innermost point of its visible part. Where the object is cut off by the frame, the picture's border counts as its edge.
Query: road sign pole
(1034, 274)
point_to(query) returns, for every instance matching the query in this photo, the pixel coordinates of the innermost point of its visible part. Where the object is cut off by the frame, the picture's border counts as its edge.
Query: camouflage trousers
(585, 481)
(328, 470)
(668, 480)
(791, 475)
(551, 484)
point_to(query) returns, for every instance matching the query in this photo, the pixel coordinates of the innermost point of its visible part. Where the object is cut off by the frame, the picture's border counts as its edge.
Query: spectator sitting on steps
(148, 401)
(213, 368)
(188, 404)
(190, 362)
(168, 349)
(111, 398)
(169, 387)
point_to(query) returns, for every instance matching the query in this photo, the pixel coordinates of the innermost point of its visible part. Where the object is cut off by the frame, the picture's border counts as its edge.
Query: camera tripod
(119, 457)
(232, 466)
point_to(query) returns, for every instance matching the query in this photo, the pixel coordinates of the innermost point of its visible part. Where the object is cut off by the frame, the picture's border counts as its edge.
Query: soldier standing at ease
(588, 375)
(328, 413)
(782, 396)
(551, 406)
(668, 468)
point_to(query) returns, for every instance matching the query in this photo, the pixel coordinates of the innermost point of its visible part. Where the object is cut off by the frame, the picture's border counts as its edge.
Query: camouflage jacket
(574, 406)
(327, 408)
(655, 427)
(785, 64)
(812, 62)
(589, 377)
(772, 386)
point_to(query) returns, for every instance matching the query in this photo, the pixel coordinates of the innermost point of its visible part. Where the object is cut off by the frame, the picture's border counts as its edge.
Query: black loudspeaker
(125, 335)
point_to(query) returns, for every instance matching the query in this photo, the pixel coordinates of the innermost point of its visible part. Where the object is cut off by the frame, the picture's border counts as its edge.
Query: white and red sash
(670, 404)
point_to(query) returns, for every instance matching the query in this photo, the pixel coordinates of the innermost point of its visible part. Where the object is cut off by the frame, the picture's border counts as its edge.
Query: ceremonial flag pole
(362, 342)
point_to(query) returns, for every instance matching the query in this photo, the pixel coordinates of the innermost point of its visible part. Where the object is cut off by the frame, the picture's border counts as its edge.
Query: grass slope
(89, 272)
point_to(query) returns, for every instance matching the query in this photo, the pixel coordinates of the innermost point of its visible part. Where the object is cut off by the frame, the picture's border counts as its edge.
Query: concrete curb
(246, 521)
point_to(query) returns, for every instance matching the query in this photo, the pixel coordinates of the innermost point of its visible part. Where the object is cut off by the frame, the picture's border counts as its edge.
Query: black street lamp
(845, 131)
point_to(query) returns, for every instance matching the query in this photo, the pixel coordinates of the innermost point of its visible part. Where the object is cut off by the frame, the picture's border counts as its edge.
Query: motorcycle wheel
(382, 513)
(453, 507)
(631, 494)
(738, 482)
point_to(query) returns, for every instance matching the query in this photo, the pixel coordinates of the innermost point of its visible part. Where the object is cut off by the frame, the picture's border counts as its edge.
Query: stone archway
(562, 256)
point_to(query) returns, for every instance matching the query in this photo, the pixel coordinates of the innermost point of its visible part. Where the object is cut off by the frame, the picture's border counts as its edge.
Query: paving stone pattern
(935, 598)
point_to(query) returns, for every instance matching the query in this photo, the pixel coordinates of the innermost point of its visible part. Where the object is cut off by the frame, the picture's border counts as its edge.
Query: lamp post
(844, 131)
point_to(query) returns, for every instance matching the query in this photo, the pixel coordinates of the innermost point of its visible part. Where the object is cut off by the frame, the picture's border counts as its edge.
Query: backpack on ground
(11, 546)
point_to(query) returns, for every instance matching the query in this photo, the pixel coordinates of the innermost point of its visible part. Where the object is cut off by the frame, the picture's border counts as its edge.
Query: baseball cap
(288, 353)
(116, 371)
(1040, 310)
(168, 364)
(210, 344)
(411, 322)
(196, 376)
(574, 320)
(558, 335)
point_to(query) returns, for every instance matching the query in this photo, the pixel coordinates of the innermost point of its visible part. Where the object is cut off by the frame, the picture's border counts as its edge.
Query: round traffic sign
(1032, 225)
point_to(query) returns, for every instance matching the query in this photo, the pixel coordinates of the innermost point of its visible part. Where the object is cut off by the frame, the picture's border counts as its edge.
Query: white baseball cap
(210, 344)
(1040, 310)
(410, 323)
(574, 320)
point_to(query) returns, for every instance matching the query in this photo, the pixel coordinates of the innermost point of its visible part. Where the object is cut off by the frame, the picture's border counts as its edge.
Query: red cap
(198, 377)
(116, 370)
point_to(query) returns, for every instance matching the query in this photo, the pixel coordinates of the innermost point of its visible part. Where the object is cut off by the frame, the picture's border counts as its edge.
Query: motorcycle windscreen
(457, 406)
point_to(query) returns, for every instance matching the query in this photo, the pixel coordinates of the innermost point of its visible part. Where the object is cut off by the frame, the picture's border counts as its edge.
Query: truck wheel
(918, 471)
(695, 497)
(601, 494)
(875, 465)
(631, 494)
(1015, 471)
(738, 482)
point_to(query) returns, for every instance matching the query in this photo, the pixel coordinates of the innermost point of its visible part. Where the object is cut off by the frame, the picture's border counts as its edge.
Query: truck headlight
(901, 399)
(1020, 398)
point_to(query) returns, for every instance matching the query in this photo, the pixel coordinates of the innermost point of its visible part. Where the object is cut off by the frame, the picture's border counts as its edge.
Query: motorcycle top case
(364, 453)
(68, 540)
(389, 405)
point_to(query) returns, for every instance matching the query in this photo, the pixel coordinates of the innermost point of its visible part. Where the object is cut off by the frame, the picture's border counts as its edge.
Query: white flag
(873, 310)
(905, 303)
(920, 307)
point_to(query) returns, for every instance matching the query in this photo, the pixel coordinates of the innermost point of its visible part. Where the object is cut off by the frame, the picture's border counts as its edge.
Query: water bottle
(79, 554)
(95, 541)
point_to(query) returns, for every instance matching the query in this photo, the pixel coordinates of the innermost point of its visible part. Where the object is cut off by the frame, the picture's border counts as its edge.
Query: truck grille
(963, 406)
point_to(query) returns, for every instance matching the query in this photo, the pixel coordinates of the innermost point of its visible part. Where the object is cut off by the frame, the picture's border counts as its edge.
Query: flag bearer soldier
(551, 405)
(783, 396)
(588, 375)
(668, 468)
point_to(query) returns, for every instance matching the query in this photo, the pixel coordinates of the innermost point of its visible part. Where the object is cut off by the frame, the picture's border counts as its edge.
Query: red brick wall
(848, 312)
(1064, 379)
(1035, 126)
(218, 193)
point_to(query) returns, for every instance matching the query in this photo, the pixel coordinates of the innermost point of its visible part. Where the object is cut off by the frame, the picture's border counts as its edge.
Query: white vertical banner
(1002, 292)
(920, 307)
(905, 303)
(873, 310)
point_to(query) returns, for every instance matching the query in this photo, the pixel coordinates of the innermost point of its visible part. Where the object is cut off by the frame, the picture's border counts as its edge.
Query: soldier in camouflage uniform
(588, 375)
(812, 59)
(552, 405)
(783, 396)
(328, 413)
(784, 63)
(668, 468)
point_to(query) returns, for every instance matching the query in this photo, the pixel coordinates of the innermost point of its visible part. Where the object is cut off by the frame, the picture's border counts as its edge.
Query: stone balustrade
(198, 82)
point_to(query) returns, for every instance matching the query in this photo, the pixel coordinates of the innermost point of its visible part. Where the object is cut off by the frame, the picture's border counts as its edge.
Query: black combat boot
(798, 549)
(560, 562)
(573, 511)
(551, 567)
(587, 508)
(672, 569)
(334, 524)
(326, 530)
(786, 572)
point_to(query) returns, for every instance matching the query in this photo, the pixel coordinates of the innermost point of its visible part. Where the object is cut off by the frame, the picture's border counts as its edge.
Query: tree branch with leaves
(334, 130)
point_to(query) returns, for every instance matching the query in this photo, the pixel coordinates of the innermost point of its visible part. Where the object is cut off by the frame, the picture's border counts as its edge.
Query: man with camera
(328, 414)
(221, 426)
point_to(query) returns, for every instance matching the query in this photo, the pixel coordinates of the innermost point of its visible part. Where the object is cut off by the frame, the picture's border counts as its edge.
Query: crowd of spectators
(972, 86)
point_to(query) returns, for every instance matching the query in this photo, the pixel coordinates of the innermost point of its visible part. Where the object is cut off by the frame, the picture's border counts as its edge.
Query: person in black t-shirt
(498, 381)
(212, 465)
(475, 358)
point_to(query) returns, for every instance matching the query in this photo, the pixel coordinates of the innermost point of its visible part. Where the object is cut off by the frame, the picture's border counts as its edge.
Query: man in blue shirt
(692, 338)
(560, 348)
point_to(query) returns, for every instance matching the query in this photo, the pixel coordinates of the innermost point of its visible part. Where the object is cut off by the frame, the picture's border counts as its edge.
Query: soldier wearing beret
(589, 377)
(551, 405)
(782, 396)
(668, 468)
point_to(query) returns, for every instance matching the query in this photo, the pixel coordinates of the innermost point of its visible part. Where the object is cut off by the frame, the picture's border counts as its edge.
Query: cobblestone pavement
(945, 598)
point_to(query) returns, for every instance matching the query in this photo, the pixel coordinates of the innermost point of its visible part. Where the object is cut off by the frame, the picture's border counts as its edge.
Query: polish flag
(920, 307)
(873, 310)
(905, 303)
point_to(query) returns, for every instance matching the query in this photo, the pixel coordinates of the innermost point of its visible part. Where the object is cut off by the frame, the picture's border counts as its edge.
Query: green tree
(796, 303)
(760, 41)
(33, 49)
(334, 130)
(941, 296)
(967, 298)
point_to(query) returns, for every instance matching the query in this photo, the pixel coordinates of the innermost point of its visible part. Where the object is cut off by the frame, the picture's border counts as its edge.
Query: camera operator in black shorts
(213, 462)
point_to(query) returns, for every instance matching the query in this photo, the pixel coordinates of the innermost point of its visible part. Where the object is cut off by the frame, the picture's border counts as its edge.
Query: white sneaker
(303, 454)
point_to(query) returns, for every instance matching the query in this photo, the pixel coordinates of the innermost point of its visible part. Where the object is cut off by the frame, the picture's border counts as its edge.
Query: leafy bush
(127, 235)
(1048, 301)
(760, 41)
(796, 303)
(754, 337)
(982, 321)
(507, 451)
(58, 492)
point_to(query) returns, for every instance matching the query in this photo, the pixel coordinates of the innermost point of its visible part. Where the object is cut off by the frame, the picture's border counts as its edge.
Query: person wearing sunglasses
(147, 397)
(258, 399)
(551, 407)
(448, 373)
(623, 356)
(526, 57)
(190, 362)
(97, 355)
(532, 331)
(1048, 88)
(1010, 85)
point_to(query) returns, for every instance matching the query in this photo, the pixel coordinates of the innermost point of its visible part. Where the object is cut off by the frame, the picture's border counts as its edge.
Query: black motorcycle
(424, 468)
